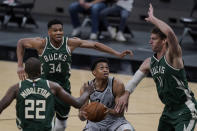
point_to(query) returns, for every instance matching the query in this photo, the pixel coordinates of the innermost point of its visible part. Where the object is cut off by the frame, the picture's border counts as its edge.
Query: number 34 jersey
(56, 63)
(35, 106)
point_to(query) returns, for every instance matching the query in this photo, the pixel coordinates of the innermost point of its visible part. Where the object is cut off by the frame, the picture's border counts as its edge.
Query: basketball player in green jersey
(167, 69)
(55, 56)
(35, 101)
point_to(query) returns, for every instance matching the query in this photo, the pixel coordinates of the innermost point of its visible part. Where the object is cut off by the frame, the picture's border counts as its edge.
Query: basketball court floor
(144, 106)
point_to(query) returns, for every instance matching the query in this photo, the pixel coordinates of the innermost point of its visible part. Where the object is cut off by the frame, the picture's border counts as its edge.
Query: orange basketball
(96, 111)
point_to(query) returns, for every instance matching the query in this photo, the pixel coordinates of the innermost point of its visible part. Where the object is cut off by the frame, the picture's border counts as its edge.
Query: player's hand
(89, 88)
(21, 73)
(126, 52)
(150, 14)
(122, 103)
(114, 112)
(82, 113)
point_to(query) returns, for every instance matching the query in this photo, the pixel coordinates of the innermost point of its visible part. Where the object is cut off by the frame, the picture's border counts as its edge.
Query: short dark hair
(156, 30)
(98, 60)
(32, 67)
(54, 22)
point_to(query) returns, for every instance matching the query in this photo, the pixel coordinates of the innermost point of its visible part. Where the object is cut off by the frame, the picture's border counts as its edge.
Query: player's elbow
(78, 104)
(97, 45)
(20, 42)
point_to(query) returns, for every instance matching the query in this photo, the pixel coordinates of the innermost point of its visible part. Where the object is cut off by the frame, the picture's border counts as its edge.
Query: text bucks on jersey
(55, 56)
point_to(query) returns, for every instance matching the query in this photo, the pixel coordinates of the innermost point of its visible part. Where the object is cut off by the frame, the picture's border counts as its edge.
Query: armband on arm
(132, 84)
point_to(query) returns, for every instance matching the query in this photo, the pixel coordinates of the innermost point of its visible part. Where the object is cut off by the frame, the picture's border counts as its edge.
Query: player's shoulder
(117, 84)
(53, 84)
(146, 62)
(117, 81)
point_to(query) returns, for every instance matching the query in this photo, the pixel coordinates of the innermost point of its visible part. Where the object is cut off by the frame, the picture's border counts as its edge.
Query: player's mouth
(58, 37)
(106, 74)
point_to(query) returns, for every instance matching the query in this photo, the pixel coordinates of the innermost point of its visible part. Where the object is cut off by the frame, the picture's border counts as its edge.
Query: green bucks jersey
(35, 105)
(56, 63)
(171, 83)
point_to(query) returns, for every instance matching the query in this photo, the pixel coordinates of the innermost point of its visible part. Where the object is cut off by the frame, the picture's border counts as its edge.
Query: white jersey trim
(48, 83)
(190, 126)
(19, 84)
(156, 58)
(190, 105)
(54, 46)
(44, 47)
(32, 80)
(67, 48)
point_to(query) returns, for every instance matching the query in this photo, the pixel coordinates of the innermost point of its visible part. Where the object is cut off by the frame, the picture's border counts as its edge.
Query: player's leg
(60, 123)
(121, 124)
(186, 125)
(164, 125)
(62, 111)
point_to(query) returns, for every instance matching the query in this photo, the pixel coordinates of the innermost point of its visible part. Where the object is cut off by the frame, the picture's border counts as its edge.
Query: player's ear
(93, 72)
(165, 40)
(48, 32)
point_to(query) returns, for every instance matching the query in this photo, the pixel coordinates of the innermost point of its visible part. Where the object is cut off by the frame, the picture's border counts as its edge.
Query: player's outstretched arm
(69, 99)
(76, 42)
(9, 97)
(122, 102)
(35, 43)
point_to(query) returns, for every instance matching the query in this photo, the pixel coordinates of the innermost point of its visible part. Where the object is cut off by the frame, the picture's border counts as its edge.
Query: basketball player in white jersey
(107, 90)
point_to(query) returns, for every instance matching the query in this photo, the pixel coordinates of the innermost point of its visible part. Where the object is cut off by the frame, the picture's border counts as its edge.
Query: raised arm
(122, 102)
(35, 43)
(9, 97)
(67, 98)
(174, 52)
(76, 42)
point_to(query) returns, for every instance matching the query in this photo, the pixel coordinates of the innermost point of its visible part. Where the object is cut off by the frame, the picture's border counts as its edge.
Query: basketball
(96, 111)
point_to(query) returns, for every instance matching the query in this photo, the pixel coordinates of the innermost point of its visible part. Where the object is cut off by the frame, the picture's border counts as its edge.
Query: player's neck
(161, 53)
(57, 44)
(101, 84)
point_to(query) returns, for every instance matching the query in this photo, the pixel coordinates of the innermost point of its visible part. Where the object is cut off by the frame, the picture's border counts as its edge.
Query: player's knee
(60, 125)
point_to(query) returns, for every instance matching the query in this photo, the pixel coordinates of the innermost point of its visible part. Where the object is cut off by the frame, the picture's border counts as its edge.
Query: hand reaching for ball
(94, 111)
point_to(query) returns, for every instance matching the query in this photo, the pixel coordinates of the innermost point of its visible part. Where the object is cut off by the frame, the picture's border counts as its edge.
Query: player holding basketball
(35, 99)
(107, 91)
(167, 69)
(55, 55)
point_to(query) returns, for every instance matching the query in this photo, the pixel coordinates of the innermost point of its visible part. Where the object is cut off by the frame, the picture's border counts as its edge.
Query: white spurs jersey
(105, 97)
